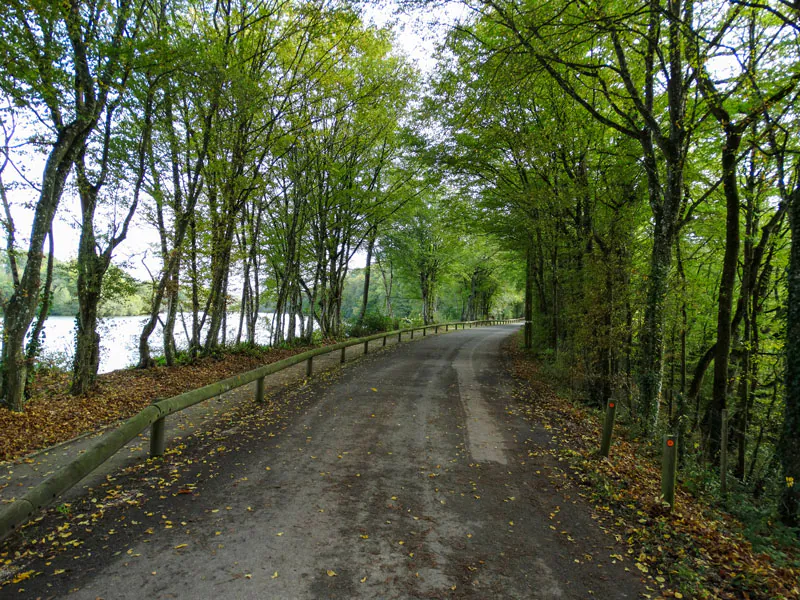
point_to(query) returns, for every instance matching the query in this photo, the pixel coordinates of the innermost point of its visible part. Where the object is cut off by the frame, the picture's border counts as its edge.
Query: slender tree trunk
(35, 341)
(719, 400)
(555, 312)
(194, 343)
(91, 269)
(387, 287)
(173, 300)
(529, 297)
(367, 272)
(651, 342)
(790, 442)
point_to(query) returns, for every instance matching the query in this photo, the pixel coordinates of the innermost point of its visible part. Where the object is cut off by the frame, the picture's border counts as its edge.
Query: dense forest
(629, 169)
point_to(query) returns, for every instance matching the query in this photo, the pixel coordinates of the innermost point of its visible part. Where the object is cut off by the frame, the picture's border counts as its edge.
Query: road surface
(407, 474)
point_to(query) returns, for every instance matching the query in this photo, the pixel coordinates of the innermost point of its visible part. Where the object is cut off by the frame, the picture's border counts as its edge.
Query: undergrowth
(704, 547)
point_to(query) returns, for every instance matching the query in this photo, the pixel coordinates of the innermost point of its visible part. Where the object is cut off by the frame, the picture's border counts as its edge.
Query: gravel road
(408, 474)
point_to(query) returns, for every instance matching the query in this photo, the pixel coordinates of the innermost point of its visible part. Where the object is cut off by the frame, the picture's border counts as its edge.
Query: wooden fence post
(669, 468)
(260, 390)
(424, 331)
(341, 360)
(412, 333)
(399, 337)
(366, 346)
(157, 436)
(384, 340)
(309, 366)
(608, 428)
(723, 455)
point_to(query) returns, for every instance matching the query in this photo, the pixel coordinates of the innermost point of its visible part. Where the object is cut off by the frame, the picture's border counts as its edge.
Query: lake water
(119, 338)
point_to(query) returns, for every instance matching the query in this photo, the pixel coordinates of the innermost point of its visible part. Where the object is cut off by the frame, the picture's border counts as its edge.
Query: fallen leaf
(22, 576)
(331, 573)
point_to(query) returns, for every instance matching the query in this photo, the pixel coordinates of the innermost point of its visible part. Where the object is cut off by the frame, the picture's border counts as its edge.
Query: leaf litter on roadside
(694, 551)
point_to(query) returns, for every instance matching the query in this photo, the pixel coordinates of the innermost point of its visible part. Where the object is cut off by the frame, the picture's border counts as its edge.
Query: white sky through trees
(417, 34)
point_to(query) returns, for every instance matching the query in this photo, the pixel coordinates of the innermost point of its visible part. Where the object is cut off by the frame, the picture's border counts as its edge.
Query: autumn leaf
(23, 576)
(331, 573)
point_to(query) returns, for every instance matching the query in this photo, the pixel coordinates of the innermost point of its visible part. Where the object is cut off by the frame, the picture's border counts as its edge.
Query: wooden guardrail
(21, 510)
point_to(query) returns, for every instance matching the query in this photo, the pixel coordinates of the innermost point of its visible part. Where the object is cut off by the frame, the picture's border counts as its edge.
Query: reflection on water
(119, 338)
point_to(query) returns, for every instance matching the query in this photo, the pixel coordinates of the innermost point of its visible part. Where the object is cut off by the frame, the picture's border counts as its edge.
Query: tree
(63, 63)
(790, 441)
(736, 110)
(424, 247)
(623, 55)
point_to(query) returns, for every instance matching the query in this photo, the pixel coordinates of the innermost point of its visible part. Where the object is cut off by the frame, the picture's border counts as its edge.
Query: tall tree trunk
(173, 300)
(722, 352)
(194, 343)
(388, 282)
(529, 297)
(790, 441)
(167, 274)
(367, 271)
(91, 269)
(652, 333)
(35, 341)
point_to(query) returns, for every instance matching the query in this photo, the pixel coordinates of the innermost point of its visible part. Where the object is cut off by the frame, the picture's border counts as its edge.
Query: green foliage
(122, 295)
(373, 322)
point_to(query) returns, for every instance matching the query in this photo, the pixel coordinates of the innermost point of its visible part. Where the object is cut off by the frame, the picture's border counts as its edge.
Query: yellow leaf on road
(179, 546)
(363, 579)
(275, 575)
(331, 573)
(374, 389)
